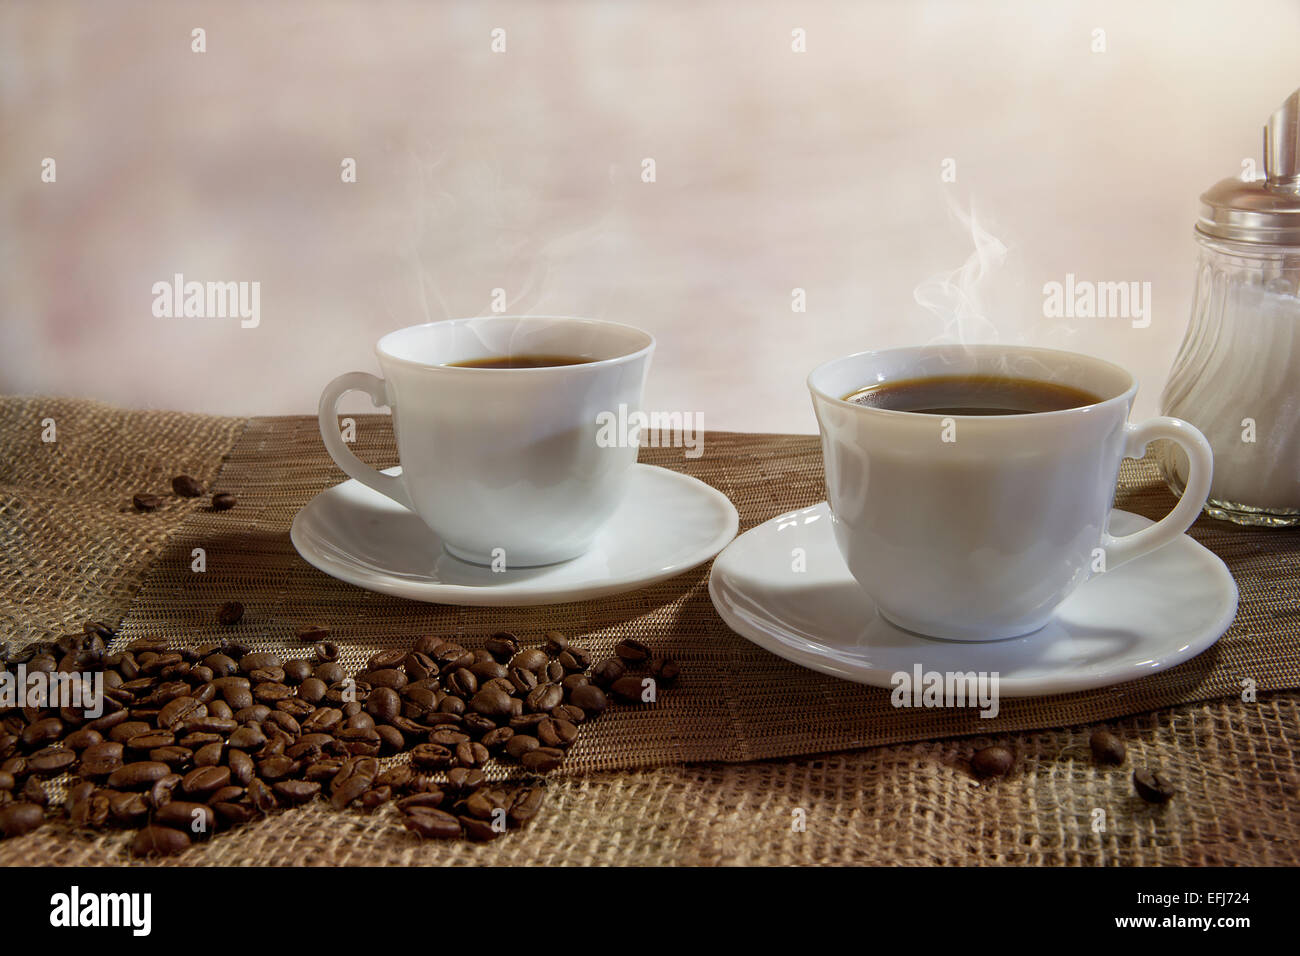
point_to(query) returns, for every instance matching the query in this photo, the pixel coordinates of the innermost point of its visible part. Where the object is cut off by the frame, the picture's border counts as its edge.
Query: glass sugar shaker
(1237, 374)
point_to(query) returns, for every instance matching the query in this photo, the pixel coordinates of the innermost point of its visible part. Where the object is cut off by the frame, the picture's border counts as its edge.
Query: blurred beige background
(521, 170)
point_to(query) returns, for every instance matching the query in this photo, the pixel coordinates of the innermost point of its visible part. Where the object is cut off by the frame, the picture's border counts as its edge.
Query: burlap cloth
(694, 779)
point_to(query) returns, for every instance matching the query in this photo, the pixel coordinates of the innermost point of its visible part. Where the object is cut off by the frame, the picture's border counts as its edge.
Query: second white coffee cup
(505, 465)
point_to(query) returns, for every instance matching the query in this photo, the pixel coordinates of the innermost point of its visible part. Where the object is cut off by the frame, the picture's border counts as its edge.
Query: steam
(955, 297)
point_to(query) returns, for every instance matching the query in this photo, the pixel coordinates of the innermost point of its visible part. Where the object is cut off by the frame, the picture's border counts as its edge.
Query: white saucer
(667, 524)
(1148, 615)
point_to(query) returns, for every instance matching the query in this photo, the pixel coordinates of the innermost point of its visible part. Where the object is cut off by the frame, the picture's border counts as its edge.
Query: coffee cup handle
(1122, 549)
(390, 486)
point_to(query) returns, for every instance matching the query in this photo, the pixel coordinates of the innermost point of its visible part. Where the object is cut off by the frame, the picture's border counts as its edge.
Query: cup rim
(386, 355)
(1127, 395)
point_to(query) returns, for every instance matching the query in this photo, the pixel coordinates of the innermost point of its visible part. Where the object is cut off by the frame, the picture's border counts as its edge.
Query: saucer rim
(1009, 687)
(507, 593)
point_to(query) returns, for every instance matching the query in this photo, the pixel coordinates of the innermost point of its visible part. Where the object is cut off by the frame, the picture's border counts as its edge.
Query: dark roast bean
(426, 800)
(479, 830)
(129, 809)
(43, 732)
(523, 680)
(571, 682)
(83, 738)
(100, 760)
(261, 796)
(313, 690)
(327, 652)
(143, 743)
(296, 791)
(138, 775)
(665, 669)
(6, 781)
(530, 660)
(431, 757)
(222, 666)
(491, 702)
(383, 704)
(387, 677)
(575, 659)
(428, 823)
(234, 813)
(489, 669)
(525, 805)
(497, 737)
(503, 645)
(372, 799)
(34, 792)
(463, 780)
(462, 683)
(226, 795)
(186, 487)
(448, 737)
(267, 675)
(1153, 786)
(632, 651)
(178, 758)
(204, 781)
(297, 671)
(241, 767)
(471, 754)
(590, 698)
(209, 755)
(1107, 748)
(575, 715)
(21, 818)
(269, 693)
(419, 666)
(230, 613)
(146, 502)
(556, 733)
(51, 761)
(194, 818)
(543, 759)
(991, 761)
(607, 671)
(555, 642)
(159, 841)
(543, 697)
(248, 737)
(314, 634)
(628, 689)
(160, 794)
(223, 501)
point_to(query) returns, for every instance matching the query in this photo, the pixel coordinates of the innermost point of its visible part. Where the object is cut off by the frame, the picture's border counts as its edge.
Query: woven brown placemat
(73, 550)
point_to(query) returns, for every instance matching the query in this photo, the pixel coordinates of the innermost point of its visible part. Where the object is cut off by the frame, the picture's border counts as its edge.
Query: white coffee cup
(503, 464)
(974, 528)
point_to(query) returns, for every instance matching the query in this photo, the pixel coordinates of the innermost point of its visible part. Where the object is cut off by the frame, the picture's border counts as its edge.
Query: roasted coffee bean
(261, 796)
(431, 757)
(522, 680)
(590, 698)
(34, 792)
(398, 777)
(234, 814)
(223, 666)
(501, 683)
(313, 690)
(252, 714)
(248, 737)
(491, 702)
(525, 805)
(526, 723)
(373, 799)
(448, 737)
(221, 726)
(83, 738)
(223, 501)
(477, 830)
(18, 819)
(202, 782)
(554, 672)
(632, 651)
(178, 758)
(665, 670)
(451, 705)
(543, 697)
(44, 732)
(179, 709)
(160, 794)
(556, 733)
(543, 759)
(426, 799)
(138, 775)
(503, 645)
(1107, 748)
(51, 761)
(386, 677)
(383, 704)
(270, 692)
(209, 755)
(296, 791)
(226, 794)
(628, 689)
(314, 634)
(241, 767)
(294, 707)
(497, 737)
(463, 780)
(267, 675)
(6, 781)
(530, 660)
(574, 715)
(129, 809)
(428, 823)
(992, 761)
(297, 671)
(471, 754)
(196, 740)
(462, 683)
(323, 720)
(1153, 786)
(327, 652)
(572, 682)
(146, 502)
(419, 666)
(232, 612)
(194, 818)
(101, 759)
(387, 658)
(607, 671)
(555, 642)
(575, 659)
(159, 841)
(186, 487)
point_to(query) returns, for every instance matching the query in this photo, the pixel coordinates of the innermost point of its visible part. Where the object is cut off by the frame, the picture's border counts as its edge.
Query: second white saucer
(1148, 615)
(668, 523)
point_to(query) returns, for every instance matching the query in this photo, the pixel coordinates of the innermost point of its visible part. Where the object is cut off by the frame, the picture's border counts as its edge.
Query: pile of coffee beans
(183, 486)
(198, 739)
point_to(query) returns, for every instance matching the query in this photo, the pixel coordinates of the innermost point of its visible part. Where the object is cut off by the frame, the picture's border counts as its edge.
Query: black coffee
(522, 361)
(971, 395)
